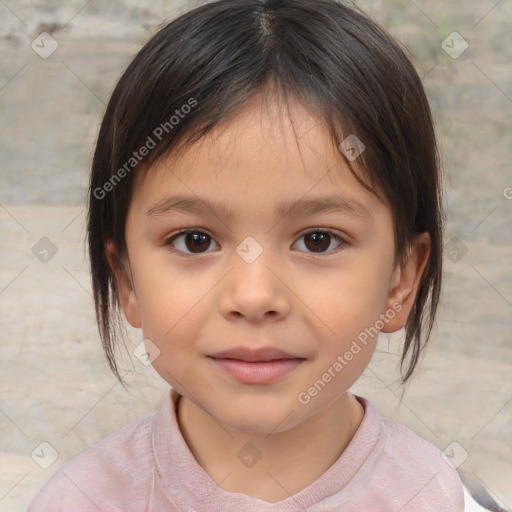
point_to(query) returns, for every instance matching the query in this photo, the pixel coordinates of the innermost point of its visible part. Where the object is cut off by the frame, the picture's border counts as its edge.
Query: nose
(254, 291)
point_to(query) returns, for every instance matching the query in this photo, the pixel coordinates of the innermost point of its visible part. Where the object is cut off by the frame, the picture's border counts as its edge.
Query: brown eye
(320, 241)
(197, 242)
(191, 242)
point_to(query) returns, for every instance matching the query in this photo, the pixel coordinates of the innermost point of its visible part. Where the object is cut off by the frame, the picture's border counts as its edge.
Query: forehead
(264, 126)
(267, 150)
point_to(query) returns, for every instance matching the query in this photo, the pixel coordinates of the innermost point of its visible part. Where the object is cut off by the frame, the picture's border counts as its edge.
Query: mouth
(262, 366)
(261, 355)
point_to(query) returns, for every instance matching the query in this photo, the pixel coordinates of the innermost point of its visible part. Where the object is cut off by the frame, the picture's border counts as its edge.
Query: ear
(405, 282)
(126, 290)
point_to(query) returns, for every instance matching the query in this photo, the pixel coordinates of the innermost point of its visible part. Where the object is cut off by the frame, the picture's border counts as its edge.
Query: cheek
(351, 299)
(172, 312)
(166, 299)
(348, 309)
(174, 325)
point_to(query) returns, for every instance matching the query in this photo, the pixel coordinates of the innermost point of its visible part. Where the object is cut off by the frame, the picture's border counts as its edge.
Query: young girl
(264, 200)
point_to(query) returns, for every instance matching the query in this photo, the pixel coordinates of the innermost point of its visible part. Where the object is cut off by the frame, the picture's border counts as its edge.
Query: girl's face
(286, 251)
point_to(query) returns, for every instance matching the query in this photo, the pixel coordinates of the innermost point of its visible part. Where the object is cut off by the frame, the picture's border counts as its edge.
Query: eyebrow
(190, 204)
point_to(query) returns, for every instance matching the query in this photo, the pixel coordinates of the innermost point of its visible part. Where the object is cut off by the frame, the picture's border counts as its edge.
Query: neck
(290, 460)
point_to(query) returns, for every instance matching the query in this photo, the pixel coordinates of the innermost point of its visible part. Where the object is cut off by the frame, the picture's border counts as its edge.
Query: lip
(262, 366)
(254, 355)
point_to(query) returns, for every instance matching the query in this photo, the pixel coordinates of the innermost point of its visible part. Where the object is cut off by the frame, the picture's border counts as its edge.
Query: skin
(307, 301)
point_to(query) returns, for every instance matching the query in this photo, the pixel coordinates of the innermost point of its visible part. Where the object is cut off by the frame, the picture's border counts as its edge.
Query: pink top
(147, 466)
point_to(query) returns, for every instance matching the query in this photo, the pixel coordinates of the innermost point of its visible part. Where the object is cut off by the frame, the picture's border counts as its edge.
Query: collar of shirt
(191, 488)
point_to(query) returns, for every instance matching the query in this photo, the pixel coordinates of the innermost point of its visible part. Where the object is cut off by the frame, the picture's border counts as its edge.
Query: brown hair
(209, 62)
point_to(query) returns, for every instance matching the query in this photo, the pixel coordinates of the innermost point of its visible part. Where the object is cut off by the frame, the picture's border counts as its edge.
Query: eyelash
(182, 232)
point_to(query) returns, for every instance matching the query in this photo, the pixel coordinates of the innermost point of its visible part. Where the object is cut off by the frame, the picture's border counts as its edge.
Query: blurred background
(59, 63)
